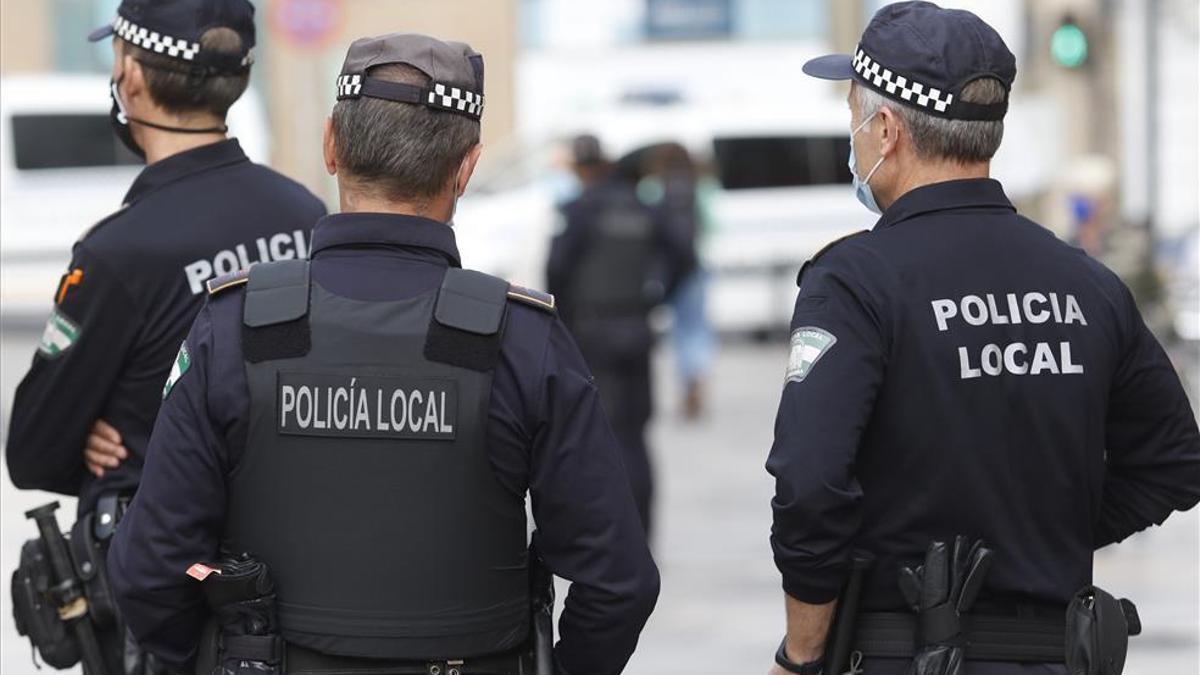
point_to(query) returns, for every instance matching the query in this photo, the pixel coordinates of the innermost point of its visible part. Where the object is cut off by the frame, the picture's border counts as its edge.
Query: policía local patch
(183, 361)
(809, 344)
(58, 336)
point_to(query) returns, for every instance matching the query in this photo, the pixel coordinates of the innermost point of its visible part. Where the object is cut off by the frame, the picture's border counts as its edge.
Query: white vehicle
(62, 170)
(783, 193)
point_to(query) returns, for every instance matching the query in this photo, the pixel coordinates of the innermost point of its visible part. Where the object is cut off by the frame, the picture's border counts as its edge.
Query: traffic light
(1069, 44)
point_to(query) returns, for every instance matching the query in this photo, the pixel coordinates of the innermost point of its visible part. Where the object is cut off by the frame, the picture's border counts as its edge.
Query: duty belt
(1037, 639)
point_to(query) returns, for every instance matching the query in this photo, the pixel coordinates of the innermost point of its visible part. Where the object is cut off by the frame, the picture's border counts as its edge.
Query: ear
(329, 147)
(467, 169)
(889, 131)
(134, 83)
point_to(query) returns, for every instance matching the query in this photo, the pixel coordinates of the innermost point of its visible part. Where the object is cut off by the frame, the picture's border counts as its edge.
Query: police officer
(610, 266)
(136, 279)
(368, 424)
(959, 371)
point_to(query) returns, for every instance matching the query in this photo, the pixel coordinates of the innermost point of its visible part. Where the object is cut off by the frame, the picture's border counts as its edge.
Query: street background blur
(1101, 146)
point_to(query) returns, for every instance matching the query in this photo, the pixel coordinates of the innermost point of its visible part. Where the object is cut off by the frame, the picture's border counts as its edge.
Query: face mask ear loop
(867, 180)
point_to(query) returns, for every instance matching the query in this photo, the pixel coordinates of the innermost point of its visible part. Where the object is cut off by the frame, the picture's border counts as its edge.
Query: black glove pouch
(35, 615)
(1098, 630)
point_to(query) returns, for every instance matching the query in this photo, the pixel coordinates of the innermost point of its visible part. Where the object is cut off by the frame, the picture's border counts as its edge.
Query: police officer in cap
(959, 372)
(82, 416)
(368, 423)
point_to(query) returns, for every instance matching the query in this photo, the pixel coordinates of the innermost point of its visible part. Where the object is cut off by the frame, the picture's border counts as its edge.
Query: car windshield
(66, 141)
(781, 161)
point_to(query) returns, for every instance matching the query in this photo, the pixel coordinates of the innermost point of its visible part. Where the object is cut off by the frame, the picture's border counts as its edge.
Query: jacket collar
(969, 193)
(185, 164)
(368, 230)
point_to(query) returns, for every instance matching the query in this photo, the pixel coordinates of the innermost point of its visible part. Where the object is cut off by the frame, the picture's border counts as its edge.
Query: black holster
(243, 637)
(541, 595)
(1098, 630)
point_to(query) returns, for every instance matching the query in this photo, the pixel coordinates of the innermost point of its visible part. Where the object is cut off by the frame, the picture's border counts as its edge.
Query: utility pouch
(1098, 630)
(89, 554)
(35, 615)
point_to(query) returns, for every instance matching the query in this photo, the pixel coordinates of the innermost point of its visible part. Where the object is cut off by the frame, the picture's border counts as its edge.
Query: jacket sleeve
(835, 368)
(589, 529)
(1152, 459)
(94, 323)
(176, 517)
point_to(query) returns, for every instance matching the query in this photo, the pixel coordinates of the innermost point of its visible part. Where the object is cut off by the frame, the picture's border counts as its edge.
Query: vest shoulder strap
(468, 320)
(471, 301)
(825, 249)
(276, 292)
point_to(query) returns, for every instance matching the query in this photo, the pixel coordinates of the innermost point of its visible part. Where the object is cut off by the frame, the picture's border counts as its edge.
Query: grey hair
(933, 138)
(401, 151)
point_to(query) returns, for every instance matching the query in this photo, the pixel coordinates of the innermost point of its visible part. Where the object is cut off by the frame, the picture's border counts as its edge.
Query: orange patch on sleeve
(75, 278)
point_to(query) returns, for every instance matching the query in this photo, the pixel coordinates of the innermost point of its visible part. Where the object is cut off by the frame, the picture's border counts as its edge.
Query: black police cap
(454, 69)
(921, 55)
(173, 29)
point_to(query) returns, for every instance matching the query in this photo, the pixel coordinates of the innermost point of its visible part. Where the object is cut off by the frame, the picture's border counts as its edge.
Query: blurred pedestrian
(367, 424)
(681, 193)
(82, 416)
(971, 403)
(610, 266)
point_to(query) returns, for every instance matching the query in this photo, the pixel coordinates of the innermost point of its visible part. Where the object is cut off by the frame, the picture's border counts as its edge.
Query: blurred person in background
(973, 403)
(675, 184)
(82, 416)
(392, 525)
(611, 264)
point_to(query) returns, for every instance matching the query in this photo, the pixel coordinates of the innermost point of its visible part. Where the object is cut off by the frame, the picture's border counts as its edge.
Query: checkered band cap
(897, 86)
(349, 86)
(438, 95)
(456, 99)
(156, 42)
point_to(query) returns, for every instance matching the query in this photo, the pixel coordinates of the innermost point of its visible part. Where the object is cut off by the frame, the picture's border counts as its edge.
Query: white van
(783, 192)
(62, 169)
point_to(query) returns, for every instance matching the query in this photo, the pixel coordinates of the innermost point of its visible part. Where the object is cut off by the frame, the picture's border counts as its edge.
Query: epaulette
(103, 221)
(825, 249)
(528, 296)
(227, 281)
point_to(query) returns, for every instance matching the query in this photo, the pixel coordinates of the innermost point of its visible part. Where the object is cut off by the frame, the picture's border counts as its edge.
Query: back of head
(183, 89)
(943, 139)
(404, 152)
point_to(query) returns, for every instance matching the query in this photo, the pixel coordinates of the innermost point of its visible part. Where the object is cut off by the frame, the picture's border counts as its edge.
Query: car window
(781, 161)
(66, 140)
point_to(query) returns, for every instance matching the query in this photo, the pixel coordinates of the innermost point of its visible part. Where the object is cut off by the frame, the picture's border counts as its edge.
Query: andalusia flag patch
(60, 333)
(809, 344)
(183, 361)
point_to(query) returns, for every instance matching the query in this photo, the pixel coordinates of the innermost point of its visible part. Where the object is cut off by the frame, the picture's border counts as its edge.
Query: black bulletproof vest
(614, 274)
(365, 483)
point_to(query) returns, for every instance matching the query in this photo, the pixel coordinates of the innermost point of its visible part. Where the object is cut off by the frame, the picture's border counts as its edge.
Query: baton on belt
(67, 593)
(839, 647)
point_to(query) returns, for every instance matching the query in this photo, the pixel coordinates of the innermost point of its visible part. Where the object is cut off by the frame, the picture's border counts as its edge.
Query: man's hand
(104, 449)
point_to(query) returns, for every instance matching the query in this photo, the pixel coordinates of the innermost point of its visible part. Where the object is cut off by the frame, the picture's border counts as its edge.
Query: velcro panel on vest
(275, 318)
(467, 320)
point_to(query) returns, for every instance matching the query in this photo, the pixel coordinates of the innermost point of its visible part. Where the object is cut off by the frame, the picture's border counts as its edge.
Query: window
(783, 161)
(61, 141)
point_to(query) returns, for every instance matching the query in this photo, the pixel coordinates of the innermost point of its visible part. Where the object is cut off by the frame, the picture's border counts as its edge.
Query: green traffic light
(1069, 46)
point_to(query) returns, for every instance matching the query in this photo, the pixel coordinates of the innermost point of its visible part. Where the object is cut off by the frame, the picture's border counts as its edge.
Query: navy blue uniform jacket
(546, 431)
(135, 283)
(958, 370)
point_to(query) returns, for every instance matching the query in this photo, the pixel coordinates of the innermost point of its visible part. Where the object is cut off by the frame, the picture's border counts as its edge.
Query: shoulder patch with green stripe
(58, 336)
(809, 344)
(183, 361)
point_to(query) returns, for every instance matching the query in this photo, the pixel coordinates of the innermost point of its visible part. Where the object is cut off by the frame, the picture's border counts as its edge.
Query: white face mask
(862, 187)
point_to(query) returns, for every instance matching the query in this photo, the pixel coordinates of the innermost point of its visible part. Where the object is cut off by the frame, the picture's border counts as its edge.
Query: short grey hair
(962, 141)
(401, 151)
